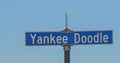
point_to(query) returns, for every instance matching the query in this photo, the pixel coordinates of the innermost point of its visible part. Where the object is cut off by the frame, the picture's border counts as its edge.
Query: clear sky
(20, 16)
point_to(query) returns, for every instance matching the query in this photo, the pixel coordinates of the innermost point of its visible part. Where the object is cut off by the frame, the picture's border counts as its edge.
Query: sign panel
(72, 38)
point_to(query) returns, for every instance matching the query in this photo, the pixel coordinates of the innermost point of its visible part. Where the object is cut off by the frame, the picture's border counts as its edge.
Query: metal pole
(66, 20)
(66, 46)
(67, 53)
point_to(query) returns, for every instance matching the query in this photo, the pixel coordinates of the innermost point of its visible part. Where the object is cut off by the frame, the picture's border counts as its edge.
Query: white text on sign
(78, 38)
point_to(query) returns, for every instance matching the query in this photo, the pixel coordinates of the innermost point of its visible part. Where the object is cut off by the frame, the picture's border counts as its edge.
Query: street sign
(72, 38)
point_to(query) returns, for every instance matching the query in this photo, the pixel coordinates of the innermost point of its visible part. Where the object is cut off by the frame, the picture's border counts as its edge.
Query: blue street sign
(72, 38)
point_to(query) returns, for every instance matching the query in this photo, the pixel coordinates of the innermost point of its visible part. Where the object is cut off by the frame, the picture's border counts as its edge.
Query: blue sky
(20, 16)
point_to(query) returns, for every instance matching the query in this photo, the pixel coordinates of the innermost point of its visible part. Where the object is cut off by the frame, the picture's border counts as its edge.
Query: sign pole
(66, 47)
(67, 53)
